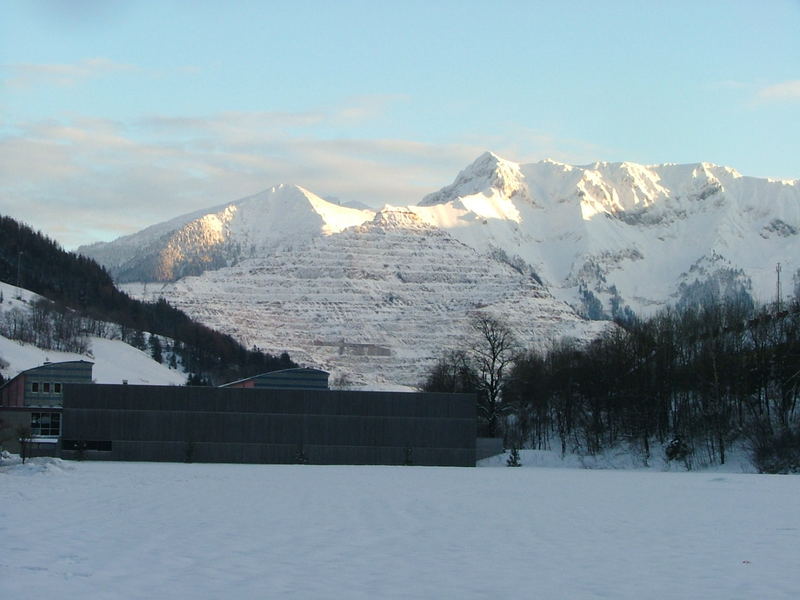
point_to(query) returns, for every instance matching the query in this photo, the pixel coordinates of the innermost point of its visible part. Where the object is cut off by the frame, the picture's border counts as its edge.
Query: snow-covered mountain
(377, 302)
(380, 294)
(216, 237)
(628, 234)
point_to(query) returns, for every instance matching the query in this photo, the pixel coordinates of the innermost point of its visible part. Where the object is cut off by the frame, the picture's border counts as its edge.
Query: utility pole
(778, 293)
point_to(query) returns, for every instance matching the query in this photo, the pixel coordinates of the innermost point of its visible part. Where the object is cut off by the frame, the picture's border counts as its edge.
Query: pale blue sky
(123, 114)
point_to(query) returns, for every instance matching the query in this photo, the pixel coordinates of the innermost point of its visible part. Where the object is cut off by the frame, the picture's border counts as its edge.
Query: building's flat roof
(279, 371)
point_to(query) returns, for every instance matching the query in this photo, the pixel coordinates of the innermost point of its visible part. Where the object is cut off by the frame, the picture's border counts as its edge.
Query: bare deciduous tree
(492, 353)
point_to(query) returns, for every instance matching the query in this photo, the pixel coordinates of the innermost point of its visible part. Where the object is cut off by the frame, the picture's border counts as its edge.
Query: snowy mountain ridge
(210, 239)
(384, 292)
(622, 229)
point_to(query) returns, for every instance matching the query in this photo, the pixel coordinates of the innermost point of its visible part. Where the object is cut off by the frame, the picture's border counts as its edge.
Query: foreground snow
(147, 530)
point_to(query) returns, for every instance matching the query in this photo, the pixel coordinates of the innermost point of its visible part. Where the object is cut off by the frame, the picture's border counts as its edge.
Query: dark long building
(240, 425)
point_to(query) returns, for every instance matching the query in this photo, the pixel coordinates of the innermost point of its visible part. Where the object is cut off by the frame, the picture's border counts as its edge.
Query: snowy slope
(114, 360)
(638, 228)
(381, 294)
(378, 302)
(125, 531)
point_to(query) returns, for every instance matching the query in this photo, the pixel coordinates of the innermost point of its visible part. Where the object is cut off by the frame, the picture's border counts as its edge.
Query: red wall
(13, 394)
(249, 383)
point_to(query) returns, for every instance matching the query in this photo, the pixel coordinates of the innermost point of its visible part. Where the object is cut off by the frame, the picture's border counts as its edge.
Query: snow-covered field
(147, 530)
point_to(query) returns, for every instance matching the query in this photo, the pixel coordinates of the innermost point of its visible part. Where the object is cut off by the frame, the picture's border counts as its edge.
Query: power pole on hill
(778, 294)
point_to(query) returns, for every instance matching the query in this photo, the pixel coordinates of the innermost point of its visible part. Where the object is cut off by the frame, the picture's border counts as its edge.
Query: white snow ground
(149, 530)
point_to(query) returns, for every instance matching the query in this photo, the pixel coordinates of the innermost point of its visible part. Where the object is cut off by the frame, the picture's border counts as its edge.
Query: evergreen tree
(155, 348)
(137, 340)
(513, 458)
(197, 379)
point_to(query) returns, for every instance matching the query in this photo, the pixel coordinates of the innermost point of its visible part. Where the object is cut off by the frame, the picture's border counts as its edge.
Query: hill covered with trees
(78, 285)
(688, 385)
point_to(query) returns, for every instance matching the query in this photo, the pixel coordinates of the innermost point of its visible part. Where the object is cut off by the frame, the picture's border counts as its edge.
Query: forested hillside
(688, 385)
(33, 261)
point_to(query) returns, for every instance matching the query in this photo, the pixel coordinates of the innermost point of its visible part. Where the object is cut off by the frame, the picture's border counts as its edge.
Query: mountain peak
(281, 192)
(488, 157)
(488, 172)
(489, 162)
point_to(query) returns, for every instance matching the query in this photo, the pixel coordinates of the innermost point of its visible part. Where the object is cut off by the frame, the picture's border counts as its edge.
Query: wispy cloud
(780, 92)
(23, 76)
(86, 179)
(233, 126)
(80, 177)
(242, 127)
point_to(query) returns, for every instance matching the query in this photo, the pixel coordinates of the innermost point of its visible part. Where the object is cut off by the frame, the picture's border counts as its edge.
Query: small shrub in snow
(513, 458)
(80, 450)
(677, 449)
(777, 452)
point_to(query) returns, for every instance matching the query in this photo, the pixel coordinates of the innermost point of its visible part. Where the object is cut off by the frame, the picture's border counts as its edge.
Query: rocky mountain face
(379, 295)
(377, 302)
(611, 235)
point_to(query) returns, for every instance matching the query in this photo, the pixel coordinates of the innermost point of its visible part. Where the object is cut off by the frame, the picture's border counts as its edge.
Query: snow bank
(11, 464)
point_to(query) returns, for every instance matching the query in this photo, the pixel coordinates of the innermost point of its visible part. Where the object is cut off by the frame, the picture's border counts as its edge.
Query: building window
(57, 388)
(35, 387)
(46, 388)
(45, 424)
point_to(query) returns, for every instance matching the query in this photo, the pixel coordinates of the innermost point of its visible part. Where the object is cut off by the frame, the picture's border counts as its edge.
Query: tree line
(688, 384)
(78, 288)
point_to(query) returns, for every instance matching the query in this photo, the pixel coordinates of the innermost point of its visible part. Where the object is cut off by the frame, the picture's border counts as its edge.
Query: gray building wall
(119, 422)
(54, 376)
(486, 447)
